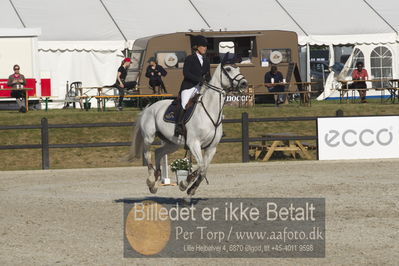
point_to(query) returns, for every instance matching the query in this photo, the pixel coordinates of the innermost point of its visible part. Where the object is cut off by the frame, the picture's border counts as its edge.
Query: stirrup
(179, 130)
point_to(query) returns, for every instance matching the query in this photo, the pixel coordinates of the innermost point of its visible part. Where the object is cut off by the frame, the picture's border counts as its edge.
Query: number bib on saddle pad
(170, 115)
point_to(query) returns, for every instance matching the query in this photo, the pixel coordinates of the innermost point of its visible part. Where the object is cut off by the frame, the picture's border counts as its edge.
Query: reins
(222, 93)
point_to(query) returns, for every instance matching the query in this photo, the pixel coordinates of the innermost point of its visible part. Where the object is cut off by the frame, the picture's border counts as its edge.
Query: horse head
(231, 78)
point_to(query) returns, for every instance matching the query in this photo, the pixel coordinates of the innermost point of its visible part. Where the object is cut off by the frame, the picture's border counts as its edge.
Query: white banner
(358, 137)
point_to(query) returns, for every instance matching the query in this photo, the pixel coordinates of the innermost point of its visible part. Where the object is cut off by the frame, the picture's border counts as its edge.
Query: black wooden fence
(245, 139)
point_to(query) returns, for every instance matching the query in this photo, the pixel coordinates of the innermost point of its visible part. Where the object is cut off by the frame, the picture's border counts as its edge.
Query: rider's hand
(202, 81)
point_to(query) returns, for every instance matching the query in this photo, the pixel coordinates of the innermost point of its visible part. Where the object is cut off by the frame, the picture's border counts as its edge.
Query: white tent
(83, 40)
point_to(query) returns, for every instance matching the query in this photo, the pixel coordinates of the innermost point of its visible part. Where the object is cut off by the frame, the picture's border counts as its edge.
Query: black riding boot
(179, 130)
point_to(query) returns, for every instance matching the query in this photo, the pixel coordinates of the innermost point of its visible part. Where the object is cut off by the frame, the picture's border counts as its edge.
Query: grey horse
(204, 129)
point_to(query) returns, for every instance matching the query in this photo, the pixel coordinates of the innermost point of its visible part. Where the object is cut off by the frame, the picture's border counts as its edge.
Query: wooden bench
(20, 89)
(258, 150)
(392, 91)
(102, 99)
(265, 151)
(305, 95)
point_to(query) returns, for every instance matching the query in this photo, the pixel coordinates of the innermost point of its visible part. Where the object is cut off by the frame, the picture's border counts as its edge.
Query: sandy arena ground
(73, 217)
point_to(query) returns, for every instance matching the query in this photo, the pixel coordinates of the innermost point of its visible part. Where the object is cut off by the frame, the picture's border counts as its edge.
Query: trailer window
(136, 57)
(244, 47)
(171, 59)
(275, 56)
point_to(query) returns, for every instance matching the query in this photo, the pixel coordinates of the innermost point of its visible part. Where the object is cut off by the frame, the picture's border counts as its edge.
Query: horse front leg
(208, 156)
(183, 185)
(197, 153)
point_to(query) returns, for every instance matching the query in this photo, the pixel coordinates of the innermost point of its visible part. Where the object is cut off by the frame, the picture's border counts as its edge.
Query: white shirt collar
(200, 58)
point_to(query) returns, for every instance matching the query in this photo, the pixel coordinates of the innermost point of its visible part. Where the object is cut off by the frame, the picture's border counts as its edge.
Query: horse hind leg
(149, 136)
(166, 148)
(151, 182)
(154, 177)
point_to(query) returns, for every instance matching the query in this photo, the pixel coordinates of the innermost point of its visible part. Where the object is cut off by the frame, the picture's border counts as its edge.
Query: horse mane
(203, 87)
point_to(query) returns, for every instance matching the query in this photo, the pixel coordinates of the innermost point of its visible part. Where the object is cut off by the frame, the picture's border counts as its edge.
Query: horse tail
(137, 147)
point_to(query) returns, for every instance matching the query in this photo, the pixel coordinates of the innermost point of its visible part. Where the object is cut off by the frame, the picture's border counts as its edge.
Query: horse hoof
(157, 174)
(153, 190)
(150, 183)
(191, 191)
(183, 186)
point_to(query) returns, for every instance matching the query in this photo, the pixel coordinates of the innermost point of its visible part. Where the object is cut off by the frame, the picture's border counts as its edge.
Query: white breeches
(186, 95)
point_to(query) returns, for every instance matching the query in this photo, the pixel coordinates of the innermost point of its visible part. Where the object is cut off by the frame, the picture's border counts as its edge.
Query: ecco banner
(358, 137)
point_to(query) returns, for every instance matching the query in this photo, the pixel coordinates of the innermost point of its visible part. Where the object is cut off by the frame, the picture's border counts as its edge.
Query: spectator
(120, 83)
(155, 73)
(271, 77)
(360, 74)
(17, 80)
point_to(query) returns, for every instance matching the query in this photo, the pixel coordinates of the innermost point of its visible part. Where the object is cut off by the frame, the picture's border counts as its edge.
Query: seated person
(155, 73)
(360, 74)
(120, 83)
(274, 76)
(17, 80)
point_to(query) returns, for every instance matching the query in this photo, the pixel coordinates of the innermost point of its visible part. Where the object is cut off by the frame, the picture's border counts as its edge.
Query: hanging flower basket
(182, 168)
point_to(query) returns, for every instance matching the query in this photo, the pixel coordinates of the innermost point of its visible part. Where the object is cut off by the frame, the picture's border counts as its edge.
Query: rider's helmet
(199, 40)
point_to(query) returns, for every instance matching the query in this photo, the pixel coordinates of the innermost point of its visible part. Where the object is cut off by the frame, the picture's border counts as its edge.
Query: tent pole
(113, 20)
(291, 17)
(381, 17)
(199, 13)
(16, 11)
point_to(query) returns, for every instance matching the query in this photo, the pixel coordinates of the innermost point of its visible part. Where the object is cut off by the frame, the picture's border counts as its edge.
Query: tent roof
(250, 15)
(143, 18)
(315, 21)
(338, 17)
(72, 20)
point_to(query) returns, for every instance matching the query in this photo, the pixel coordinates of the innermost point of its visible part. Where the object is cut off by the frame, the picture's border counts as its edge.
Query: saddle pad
(170, 115)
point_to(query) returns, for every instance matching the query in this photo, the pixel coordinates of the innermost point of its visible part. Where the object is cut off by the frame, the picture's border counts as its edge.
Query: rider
(196, 70)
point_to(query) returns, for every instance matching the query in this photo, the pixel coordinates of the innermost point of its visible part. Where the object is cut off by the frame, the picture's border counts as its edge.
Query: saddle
(170, 115)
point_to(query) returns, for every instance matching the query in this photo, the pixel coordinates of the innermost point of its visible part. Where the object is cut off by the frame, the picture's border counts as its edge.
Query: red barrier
(30, 83)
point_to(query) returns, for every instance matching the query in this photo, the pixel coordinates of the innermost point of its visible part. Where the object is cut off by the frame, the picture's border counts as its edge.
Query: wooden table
(266, 149)
(345, 90)
(304, 93)
(101, 99)
(84, 95)
(26, 94)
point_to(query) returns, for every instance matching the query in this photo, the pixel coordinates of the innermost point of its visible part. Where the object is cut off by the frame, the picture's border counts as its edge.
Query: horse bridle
(236, 78)
(221, 92)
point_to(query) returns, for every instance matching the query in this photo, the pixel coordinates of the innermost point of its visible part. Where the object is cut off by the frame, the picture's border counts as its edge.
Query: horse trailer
(257, 49)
